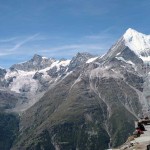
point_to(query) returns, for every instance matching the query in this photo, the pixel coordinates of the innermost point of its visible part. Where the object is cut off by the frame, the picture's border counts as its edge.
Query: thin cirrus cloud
(99, 37)
(105, 34)
(18, 44)
(23, 48)
(74, 46)
(90, 43)
(68, 51)
(7, 40)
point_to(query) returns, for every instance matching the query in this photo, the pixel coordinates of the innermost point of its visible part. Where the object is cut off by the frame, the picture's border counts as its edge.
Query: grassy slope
(76, 118)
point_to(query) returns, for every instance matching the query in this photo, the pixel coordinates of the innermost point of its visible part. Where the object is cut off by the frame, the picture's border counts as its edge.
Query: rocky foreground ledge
(139, 143)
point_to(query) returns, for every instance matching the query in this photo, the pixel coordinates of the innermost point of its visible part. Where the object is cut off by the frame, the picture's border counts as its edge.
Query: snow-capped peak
(131, 31)
(138, 42)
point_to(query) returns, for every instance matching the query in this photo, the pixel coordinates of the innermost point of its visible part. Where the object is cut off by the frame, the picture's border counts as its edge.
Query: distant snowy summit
(139, 43)
(31, 79)
(136, 41)
(133, 46)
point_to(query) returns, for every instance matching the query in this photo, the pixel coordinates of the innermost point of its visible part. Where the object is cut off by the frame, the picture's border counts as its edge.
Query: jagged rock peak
(79, 60)
(36, 56)
(37, 62)
(83, 54)
(39, 57)
(81, 57)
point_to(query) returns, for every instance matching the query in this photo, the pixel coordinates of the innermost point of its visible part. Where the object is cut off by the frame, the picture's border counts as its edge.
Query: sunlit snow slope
(139, 43)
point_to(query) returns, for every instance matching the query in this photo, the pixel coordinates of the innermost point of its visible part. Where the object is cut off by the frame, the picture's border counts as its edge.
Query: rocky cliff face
(2, 72)
(8, 99)
(86, 103)
(79, 60)
(94, 109)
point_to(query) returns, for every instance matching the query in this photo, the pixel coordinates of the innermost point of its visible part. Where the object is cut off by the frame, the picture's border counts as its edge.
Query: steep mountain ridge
(86, 102)
(133, 49)
(137, 44)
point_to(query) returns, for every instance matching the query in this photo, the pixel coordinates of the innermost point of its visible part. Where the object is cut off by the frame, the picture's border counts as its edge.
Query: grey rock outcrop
(79, 60)
(36, 63)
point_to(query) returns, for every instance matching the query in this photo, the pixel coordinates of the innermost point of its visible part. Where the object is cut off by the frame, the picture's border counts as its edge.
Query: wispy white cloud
(65, 51)
(95, 43)
(68, 51)
(18, 44)
(98, 43)
(102, 35)
(99, 37)
(5, 53)
(8, 40)
(24, 47)
(74, 46)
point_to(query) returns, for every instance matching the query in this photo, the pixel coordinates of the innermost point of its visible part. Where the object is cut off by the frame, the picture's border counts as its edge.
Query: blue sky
(61, 28)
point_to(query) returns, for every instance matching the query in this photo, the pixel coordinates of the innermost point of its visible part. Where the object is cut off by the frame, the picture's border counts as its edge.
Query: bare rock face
(79, 60)
(2, 72)
(2, 75)
(8, 99)
(36, 63)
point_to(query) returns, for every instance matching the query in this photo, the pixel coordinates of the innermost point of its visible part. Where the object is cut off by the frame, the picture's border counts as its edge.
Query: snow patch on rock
(104, 72)
(128, 62)
(91, 60)
(22, 80)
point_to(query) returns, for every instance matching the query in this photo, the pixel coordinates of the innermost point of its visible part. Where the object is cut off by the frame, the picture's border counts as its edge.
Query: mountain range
(86, 103)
